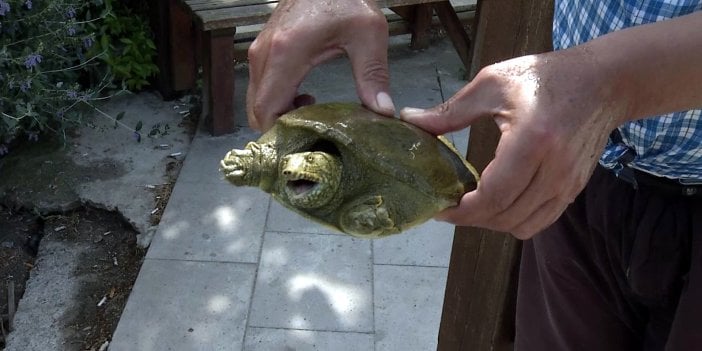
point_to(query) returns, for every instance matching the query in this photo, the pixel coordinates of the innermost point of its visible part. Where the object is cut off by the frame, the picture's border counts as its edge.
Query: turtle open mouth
(310, 178)
(301, 187)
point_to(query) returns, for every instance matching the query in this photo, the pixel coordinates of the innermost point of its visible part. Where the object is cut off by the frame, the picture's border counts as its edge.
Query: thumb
(455, 114)
(369, 63)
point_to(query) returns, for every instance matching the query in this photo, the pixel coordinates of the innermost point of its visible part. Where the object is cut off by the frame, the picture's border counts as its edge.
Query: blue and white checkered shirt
(669, 145)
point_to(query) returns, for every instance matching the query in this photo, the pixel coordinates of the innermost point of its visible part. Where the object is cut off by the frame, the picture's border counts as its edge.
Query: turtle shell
(417, 173)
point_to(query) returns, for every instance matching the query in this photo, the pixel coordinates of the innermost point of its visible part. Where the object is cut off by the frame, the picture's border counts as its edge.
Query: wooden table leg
(455, 31)
(182, 47)
(420, 26)
(478, 312)
(419, 19)
(218, 80)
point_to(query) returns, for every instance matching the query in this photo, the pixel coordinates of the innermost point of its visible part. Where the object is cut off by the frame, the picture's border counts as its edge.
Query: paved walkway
(229, 269)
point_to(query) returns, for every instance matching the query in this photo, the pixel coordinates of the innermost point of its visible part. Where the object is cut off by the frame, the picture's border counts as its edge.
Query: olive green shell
(416, 173)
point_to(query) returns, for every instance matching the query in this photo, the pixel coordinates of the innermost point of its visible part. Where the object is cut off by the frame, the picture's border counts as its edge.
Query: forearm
(654, 68)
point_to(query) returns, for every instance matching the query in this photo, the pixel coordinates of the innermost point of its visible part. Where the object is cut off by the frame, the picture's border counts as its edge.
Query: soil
(114, 262)
(37, 202)
(18, 246)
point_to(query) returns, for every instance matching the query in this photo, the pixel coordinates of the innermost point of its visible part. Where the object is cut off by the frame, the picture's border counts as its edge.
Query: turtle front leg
(367, 218)
(255, 165)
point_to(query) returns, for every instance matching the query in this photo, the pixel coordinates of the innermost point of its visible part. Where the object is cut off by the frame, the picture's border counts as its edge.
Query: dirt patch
(109, 267)
(112, 263)
(19, 239)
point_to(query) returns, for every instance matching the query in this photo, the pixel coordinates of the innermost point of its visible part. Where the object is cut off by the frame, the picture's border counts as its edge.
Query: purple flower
(71, 31)
(28, 3)
(72, 94)
(3, 150)
(32, 60)
(88, 42)
(4, 7)
(71, 12)
(33, 136)
(26, 85)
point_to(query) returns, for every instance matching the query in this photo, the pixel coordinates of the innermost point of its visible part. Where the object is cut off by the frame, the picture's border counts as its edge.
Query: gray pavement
(229, 269)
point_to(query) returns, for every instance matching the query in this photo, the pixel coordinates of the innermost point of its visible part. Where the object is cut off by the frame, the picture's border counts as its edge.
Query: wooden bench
(202, 32)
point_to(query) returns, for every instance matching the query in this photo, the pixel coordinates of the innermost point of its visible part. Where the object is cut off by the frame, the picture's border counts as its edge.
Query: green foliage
(123, 39)
(43, 54)
(58, 57)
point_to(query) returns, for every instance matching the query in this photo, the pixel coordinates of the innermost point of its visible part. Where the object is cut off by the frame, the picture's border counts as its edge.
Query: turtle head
(252, 166)
(311, 178)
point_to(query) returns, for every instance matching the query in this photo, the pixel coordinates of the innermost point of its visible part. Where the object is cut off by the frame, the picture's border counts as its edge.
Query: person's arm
(555, 112)
(304, 33)
(657, 67)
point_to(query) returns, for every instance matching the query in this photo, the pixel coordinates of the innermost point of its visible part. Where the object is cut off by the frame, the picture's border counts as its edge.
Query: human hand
(304, 33)
(555, 112)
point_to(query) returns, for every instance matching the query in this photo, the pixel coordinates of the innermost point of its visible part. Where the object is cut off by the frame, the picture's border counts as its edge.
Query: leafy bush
(43, 50)
(57, 59)
(124, 43)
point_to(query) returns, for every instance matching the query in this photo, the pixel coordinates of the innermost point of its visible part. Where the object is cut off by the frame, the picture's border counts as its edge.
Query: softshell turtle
(349, 168)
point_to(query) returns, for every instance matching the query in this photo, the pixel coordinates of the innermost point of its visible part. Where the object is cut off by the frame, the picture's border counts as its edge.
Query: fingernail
(384, 102)
(411, 112)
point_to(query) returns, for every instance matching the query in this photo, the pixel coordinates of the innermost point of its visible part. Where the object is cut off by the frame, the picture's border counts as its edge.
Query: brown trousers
(620, 270)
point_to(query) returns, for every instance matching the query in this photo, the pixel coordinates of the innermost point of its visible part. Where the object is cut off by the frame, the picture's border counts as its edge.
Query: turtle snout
(311, 178)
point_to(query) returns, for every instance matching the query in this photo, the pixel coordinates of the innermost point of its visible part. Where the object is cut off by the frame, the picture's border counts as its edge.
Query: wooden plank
(478, 311)
(397, 26)
(234, 17)
(199, 5)
(230, 17)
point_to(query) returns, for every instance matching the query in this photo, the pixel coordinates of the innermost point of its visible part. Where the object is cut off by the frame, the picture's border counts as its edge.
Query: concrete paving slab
(333, 81)
(314, 282)
(204, 167)
(180, 305)
(211, 222)
(265, 339)
(408, 303)
(313, 289)
(426, 245)
(144, 162)
(49, 300)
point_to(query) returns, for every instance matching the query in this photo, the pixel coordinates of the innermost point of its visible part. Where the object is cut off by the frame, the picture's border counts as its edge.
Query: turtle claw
(238, 152)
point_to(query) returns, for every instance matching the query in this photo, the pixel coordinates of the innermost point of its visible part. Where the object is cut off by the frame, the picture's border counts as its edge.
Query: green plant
(57, 59)
(124, 43)
(43, 55)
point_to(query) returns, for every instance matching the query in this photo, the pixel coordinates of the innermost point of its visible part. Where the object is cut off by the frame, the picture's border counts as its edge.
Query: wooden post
(218, 80)
(174, 33)
(182, 47)
(160, 25)
(478, 311)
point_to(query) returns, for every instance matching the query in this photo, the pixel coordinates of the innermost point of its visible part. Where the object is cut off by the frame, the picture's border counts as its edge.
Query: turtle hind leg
(368, 217)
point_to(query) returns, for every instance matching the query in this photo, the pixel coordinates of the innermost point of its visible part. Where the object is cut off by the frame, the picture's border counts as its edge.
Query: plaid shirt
(668, 145)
